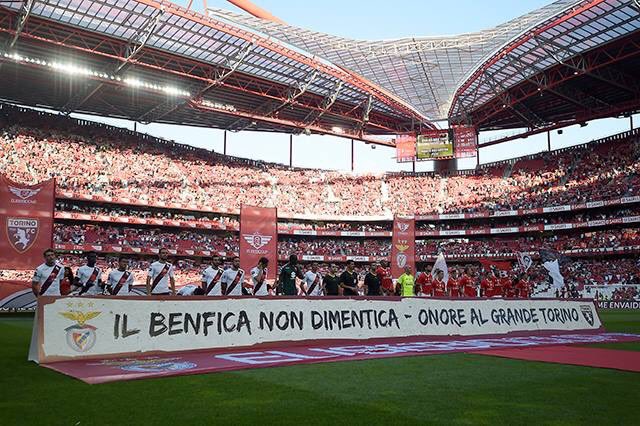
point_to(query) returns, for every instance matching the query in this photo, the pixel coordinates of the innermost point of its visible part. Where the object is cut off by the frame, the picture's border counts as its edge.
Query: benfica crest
(402, 226)
(22, 232)
(82, 336)
(257, 241)
(401, 258)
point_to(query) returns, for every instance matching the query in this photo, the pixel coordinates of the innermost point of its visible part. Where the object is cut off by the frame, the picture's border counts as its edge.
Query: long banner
(26, 218)
(403, 245)
(635, 199)
(285, 230)
(259, 238)
(96, 327)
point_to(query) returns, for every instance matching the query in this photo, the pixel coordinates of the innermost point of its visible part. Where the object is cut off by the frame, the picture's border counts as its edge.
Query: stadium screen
(465, 141)
(434, 145)
(405, 148)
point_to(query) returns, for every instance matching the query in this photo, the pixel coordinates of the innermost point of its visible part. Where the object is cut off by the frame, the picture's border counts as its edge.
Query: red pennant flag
(258, 238)
(26, 218)
(500, 265)
(403, 247)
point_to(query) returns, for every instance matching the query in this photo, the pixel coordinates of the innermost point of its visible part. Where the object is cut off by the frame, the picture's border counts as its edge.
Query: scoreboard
(438, 144)
(434, 145)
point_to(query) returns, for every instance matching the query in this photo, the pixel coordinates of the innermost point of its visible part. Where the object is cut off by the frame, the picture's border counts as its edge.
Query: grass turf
(451, 389)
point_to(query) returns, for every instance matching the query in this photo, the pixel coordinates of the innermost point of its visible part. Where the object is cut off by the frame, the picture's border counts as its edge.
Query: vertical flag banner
(440, 265)
(26, 218)
(465, 141)
(553, 267)
(403, 247)
(405, 148)
(258, 238)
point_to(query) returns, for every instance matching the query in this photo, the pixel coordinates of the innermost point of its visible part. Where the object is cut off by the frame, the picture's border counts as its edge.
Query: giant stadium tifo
(489, 276)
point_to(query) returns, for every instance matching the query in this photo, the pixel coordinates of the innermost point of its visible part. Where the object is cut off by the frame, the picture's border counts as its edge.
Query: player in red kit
(467, 283)
(487, 285)
(384, 275)
(511, 291)
(424, 283)
(498, 283)
(453, 285)
(439, 286)
(523, 287)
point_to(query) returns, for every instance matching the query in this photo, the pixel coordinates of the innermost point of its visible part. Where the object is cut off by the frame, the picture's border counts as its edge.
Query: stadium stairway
(443, 193)
(508, 169)
(574, 163)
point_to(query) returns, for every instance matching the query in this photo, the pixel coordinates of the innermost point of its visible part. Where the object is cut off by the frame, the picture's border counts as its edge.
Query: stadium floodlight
(169, 90)
(337, 129)
(217, 105)
(132, 82)
(71, 69)
(14, 56)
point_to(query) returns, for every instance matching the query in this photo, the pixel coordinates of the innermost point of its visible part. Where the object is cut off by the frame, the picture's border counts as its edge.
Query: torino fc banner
(94, 327)
(465, 141)
(26, 218)
(403, 245)
(258, 238)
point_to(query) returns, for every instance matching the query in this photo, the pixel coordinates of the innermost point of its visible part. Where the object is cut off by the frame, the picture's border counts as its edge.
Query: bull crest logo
(587, 313)
(82, 336)
(22, 232)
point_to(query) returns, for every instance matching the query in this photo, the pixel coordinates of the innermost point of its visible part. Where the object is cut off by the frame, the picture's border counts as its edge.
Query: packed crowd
(92, 159)
(144, 238)
(602, 271)
(284, 226)
(149, 238)
(626, 293)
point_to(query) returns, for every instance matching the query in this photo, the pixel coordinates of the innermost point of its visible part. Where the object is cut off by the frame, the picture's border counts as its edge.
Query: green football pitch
(442, 389)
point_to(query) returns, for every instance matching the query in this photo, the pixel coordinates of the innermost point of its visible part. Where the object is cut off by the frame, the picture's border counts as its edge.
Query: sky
(375, 20)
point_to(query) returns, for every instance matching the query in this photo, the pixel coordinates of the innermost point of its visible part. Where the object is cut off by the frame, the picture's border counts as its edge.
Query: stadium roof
(454, 76)
(186, 68)
(153, 61)
(425, 71)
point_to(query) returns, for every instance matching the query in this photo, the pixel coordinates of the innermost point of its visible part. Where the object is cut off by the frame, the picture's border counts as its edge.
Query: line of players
(292, 281)
(466, 284)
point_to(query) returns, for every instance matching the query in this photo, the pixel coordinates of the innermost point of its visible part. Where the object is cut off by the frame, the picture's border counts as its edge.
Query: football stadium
(319, 213)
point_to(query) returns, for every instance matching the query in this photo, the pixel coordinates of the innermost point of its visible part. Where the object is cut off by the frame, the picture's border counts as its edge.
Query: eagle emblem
(81, 336)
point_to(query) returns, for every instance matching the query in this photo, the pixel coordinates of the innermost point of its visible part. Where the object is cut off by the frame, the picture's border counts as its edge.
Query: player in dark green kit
(288, 275)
